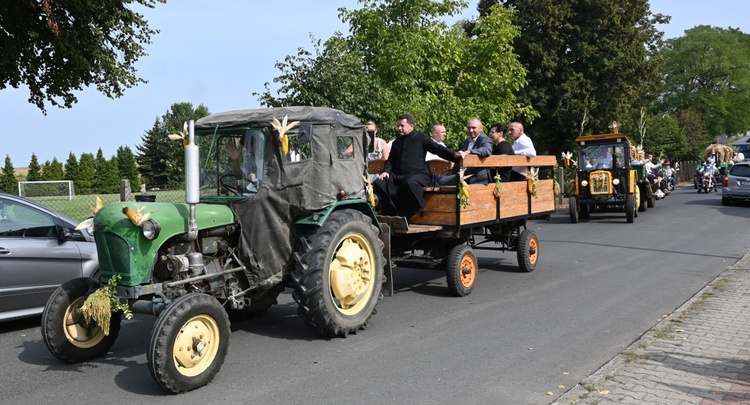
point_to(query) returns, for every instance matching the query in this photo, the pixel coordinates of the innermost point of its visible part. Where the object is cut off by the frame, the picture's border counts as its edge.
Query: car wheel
(65, 331)
(189, 342)
(726, 201)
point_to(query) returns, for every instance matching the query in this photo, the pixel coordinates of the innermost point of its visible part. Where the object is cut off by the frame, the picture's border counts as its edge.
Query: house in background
(742, 145)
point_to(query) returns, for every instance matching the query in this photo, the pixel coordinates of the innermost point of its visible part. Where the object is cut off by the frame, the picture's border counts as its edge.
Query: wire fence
(79, 207)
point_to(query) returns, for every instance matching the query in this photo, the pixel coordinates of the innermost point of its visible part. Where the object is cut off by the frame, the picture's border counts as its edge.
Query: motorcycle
(707, 181)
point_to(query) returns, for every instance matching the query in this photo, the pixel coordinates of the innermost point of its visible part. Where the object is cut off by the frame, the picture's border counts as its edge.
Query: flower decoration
(498, 186)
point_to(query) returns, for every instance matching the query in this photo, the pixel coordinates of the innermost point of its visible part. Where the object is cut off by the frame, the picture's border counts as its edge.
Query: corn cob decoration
(282, 128)
(370, 192)
(463, 189)
(498, 186)
(89, 222)
(136, 217)
(532, 176)
(567, 158)
(183, 136)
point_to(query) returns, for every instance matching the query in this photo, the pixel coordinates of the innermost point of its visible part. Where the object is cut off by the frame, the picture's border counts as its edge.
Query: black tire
(651, 201)
(339, 274)
(193, 323)
(726, 201)
(527, 251)
(630, 208)
(65, 332)
(573, 208)
(585, 211)
(461, 270)
(259, 305)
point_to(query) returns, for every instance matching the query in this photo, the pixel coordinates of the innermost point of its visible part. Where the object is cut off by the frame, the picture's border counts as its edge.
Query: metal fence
(79, 207)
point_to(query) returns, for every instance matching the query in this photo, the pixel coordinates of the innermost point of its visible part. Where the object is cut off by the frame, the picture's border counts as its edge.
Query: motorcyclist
(669, 175)
(650, 168)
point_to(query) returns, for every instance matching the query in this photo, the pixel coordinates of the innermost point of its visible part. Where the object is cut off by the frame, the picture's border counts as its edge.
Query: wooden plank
(375, 166)
(439, 167)
(545, 197)
(508, 160)
(514, 199)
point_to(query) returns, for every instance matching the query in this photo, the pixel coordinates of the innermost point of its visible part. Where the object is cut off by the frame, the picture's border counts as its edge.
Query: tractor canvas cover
(326, 158)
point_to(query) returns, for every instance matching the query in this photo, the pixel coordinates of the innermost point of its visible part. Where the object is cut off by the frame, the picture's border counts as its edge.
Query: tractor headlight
(584, 183)
(616, 181)
(151, 229)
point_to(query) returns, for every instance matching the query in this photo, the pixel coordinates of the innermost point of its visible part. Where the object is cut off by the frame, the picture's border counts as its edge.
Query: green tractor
(275, 198)
(606, 180)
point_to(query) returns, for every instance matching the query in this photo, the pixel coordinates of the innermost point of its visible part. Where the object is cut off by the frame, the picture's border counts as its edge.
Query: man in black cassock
(405, 174)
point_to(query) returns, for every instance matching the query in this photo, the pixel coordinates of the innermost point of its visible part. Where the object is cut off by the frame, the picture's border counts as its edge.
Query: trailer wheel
(339, 274)
(573, 208)
(461, 271)
(189, 342)
(65, 331)
(527, 251)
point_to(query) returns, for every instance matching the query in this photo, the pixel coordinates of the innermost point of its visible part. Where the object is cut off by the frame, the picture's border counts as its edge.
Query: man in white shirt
(438, 136)
(522, 145)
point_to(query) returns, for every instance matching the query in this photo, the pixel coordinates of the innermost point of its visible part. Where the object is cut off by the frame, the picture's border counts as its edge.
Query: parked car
(39, 250)
(736, 184)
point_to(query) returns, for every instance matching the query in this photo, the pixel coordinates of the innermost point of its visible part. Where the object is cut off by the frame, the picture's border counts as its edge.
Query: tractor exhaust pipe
(192, 180)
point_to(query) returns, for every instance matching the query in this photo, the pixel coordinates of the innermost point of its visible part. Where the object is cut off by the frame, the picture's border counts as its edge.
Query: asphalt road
(598, 286)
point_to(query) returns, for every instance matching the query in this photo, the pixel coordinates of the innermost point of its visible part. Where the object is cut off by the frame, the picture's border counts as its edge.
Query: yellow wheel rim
(196, 345)
(351, 274)
(78, 333)
(467, 271)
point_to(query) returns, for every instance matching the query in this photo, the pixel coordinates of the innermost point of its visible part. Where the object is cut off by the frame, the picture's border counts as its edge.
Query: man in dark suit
(476, 143)
(401, 185)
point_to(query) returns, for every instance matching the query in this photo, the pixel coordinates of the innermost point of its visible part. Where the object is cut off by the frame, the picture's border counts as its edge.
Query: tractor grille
(600, 183)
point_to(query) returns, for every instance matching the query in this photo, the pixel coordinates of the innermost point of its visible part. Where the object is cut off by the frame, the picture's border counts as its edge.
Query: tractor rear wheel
(339, 274)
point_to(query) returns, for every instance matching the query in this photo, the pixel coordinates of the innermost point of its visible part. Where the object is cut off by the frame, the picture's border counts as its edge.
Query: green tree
(588, 63)
(52, 170)
(107, 180)
(58, 47)
(161, 161)
(706, 70)
(35, 170)
(400, 57)
(8, 181)
(71, 168)
(86, 174)
(128, 167)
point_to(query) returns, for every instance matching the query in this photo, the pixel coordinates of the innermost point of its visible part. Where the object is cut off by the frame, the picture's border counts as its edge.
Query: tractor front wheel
(65, 331)
(189, 342)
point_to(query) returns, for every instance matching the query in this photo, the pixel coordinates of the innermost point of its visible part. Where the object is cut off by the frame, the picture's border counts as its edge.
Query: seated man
(400, 187)
(476, 143)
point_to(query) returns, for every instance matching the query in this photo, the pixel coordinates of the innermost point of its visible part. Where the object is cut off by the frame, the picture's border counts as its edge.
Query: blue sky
(219, 56)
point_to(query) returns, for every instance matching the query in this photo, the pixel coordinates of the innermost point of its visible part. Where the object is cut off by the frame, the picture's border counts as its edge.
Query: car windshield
(601, 156)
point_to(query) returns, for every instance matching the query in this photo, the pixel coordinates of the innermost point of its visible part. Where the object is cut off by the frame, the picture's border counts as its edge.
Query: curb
(580, 391)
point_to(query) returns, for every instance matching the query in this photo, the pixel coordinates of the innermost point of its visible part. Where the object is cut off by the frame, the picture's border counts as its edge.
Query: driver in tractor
(246, 155)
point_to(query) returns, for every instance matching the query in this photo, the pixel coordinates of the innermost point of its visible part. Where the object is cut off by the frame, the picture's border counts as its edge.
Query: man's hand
(383, 175)
(462, 153)
(233, 149)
